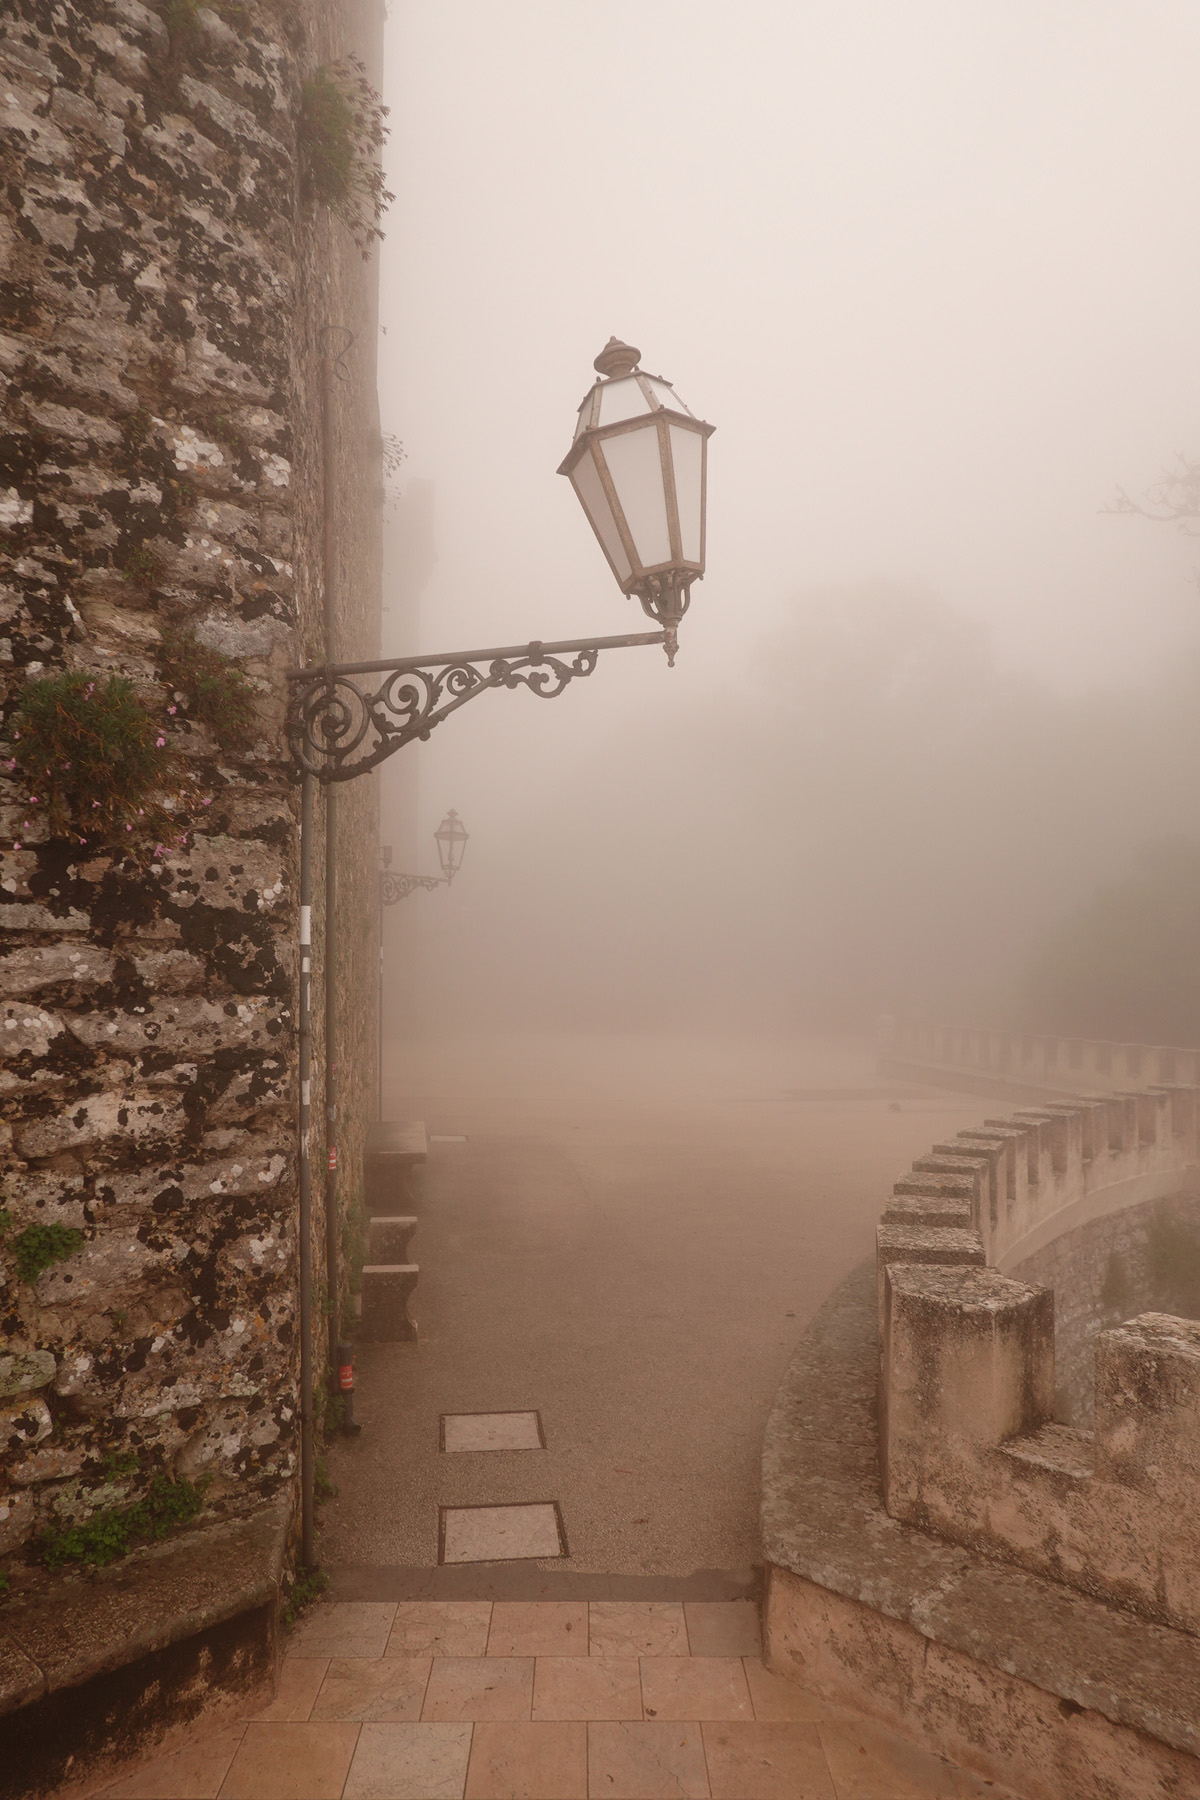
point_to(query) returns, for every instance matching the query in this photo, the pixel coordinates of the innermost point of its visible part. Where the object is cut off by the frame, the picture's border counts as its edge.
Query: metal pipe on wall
(331, 851)
(307, 1462)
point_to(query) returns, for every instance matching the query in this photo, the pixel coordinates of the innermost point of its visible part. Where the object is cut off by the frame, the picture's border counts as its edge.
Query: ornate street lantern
(451, 840)
(638, 465)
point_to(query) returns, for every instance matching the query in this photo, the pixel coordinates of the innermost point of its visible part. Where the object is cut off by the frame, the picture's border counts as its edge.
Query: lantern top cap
(617, 359)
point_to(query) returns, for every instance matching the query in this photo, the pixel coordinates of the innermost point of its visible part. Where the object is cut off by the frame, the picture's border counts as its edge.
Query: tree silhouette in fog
(1126, 963)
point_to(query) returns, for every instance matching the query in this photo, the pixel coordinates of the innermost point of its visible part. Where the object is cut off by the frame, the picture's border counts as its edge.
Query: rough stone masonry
(163, 288)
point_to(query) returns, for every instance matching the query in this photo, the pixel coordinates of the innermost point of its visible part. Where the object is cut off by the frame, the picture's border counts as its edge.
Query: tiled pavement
(538, 1700)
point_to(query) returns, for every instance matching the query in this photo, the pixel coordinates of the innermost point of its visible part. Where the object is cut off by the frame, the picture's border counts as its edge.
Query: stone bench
(393, 1153)
(383, 1318)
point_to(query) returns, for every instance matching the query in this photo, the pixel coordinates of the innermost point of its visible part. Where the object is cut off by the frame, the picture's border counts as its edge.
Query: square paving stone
(291, 1762)
(440, 1628)
(528, 1762)
(651, 1761)
(637, 1628)
(500, 1533)
(300, 1678)
(766, 1762)
(410, 1762)
(722, 1627)
(343, 1628)
(587, 1687)
(390, 1691)
(539, 1628)
(193, 1772)
(479, 1687)
(695, 1687)
(492, 1431)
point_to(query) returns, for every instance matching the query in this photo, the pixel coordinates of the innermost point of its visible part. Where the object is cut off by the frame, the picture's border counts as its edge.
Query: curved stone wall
(969, 1446)
(1033, 1059)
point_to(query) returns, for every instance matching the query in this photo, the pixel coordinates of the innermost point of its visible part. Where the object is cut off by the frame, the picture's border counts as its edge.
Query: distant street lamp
(639, 466)
(451, 840)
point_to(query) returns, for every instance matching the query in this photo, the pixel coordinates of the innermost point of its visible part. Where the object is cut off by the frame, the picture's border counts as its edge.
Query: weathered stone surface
(1030, 1682)
(25, 1373)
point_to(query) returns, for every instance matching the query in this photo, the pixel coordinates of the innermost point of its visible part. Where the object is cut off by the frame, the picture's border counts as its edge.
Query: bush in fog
(1126, 962)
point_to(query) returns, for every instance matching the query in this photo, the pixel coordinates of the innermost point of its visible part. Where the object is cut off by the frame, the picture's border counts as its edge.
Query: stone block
(385, 1293)
(1148, 1406)
(388, 1236)
(968, 1360)
(393, 1151)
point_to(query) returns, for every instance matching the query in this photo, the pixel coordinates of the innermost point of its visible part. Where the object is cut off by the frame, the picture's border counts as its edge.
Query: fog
(932, 273)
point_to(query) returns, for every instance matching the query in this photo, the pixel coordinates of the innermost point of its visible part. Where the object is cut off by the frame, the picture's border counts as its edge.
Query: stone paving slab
(610, 1718)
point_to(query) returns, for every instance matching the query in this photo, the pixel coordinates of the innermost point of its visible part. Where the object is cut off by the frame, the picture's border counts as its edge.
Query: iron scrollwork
(394, 887)
(339, 724)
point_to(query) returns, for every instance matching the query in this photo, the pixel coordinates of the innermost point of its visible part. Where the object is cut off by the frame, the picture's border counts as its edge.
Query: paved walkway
(441, 1700)
(629, 1242)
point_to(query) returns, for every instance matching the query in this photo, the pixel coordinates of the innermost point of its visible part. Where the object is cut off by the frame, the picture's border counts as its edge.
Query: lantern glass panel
(587, 485)
(666, 396)
(687, 452)
(585, 415)
(621, 400)
(635, 464)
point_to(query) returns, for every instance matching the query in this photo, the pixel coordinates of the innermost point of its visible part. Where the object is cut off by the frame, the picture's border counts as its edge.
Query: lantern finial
(617, 358)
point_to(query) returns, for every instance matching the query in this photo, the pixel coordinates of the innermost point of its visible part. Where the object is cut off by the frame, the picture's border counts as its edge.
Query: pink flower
(129, 828)
(33, 799)
(207, 802)
(95, 804)
(16, 844)
(83, 840)
(160, 742)
(91, 686)
(172, 709)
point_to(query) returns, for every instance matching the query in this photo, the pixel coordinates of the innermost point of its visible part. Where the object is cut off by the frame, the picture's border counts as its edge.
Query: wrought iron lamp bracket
(346, 718)
(394, 887)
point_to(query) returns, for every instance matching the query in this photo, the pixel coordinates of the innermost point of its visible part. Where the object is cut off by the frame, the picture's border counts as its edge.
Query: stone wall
(1142, 1259)
(969, 1447)
(163, 288)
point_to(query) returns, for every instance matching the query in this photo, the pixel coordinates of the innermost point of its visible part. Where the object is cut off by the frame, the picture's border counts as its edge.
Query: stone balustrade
(1023, 1058)
(969, 1446)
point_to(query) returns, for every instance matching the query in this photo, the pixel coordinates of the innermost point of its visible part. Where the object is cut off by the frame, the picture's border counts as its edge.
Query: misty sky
(931, 270)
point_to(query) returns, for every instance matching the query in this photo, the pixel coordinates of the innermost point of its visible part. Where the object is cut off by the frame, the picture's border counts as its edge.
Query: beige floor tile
(636, 1628)
(388, 1690)
(695, 1687)
(291, 1762)
(654, 1761)
(587, 1687)
(479, 1687)
(193, 1772)
(299, 1682)
(409, 1762)
(539, 1628)
(777, 1761)
(491, 1431)
(343, 1628)
(775, 1698)
(440, 1628)
(523, 1761)
(869, 1763)
(722, 1627)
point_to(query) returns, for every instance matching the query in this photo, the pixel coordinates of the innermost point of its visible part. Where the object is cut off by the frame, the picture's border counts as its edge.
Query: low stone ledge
(92, 1661)
(388, 1237)
(1013, 1636)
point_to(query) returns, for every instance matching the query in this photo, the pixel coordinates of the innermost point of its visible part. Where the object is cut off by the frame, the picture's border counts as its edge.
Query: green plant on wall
(96, 759)
(115, 1530)
(341, 133)
(218, 694)
(39, 1247)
